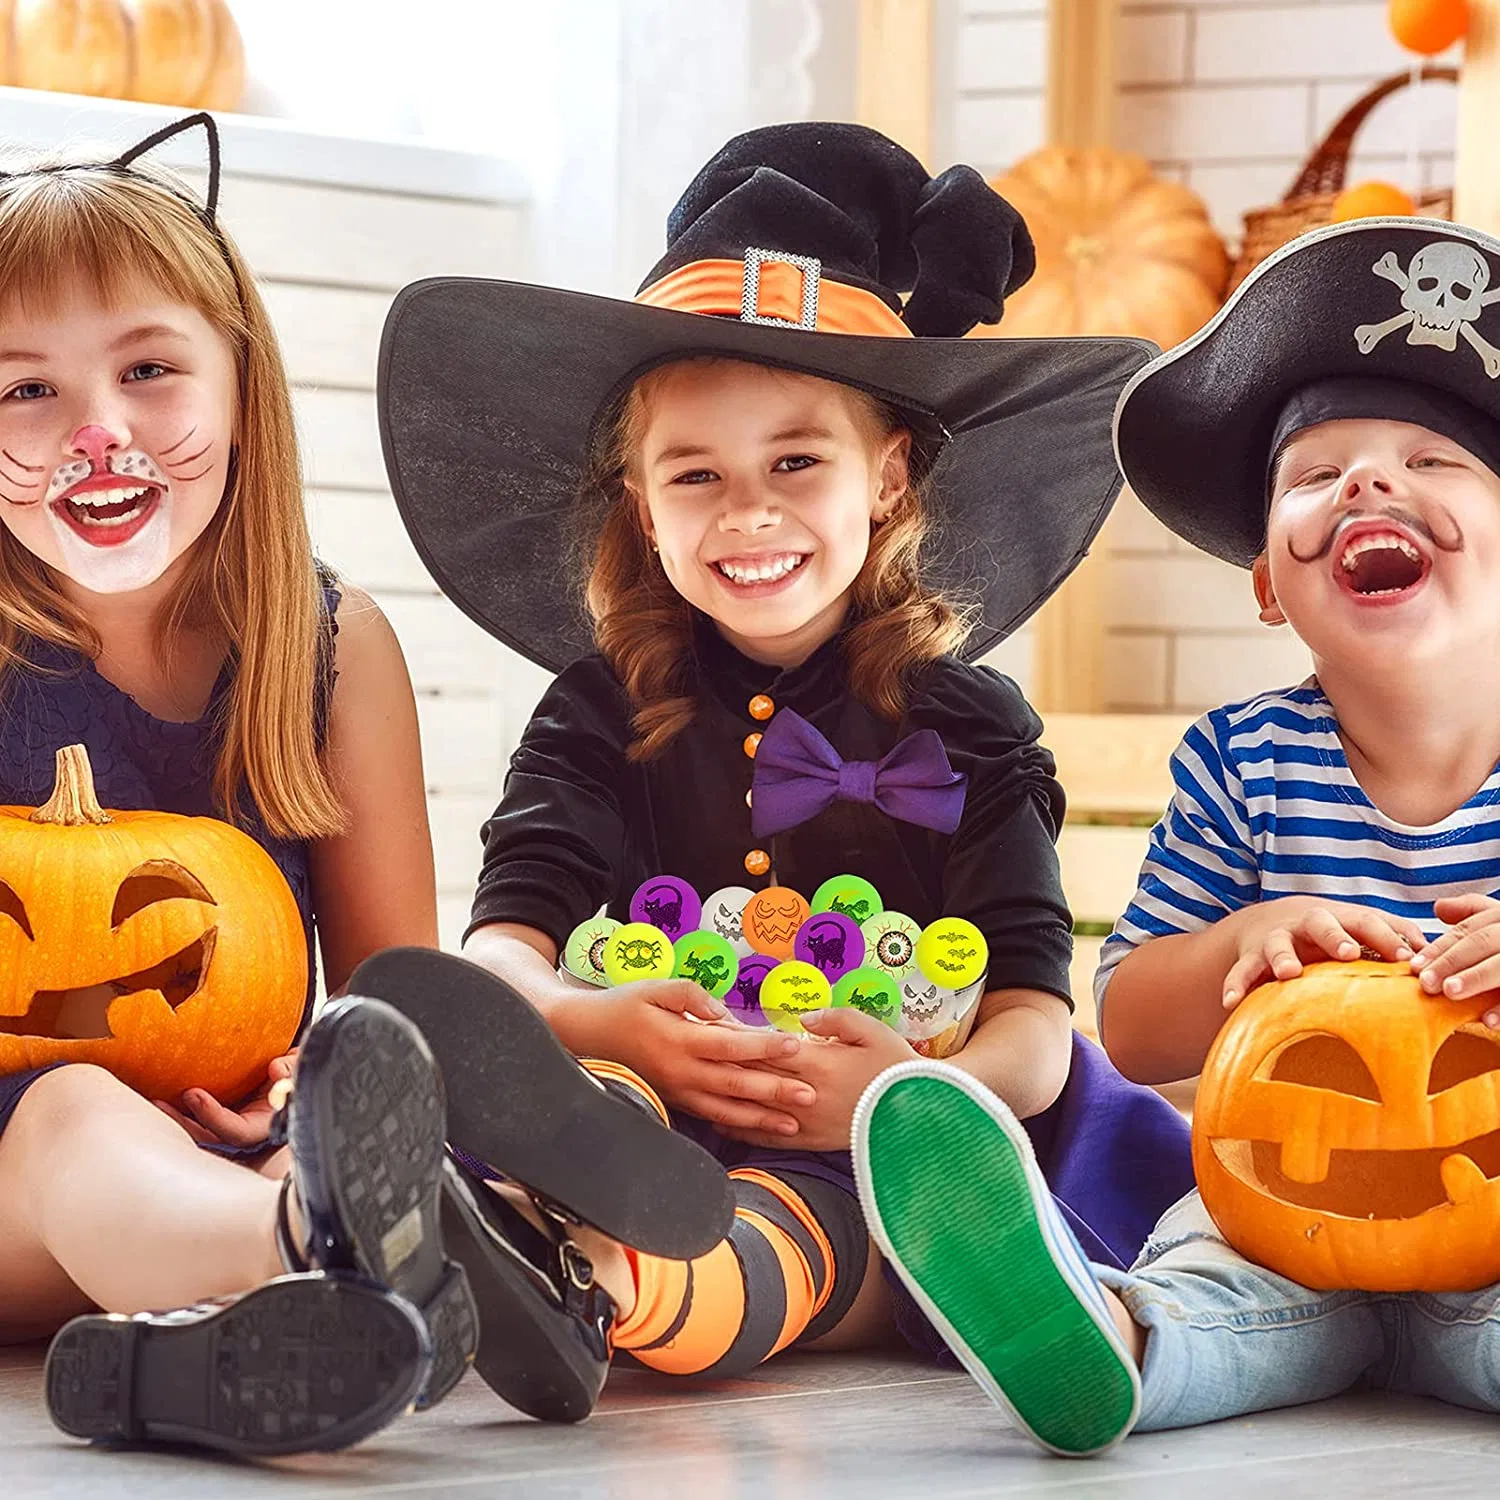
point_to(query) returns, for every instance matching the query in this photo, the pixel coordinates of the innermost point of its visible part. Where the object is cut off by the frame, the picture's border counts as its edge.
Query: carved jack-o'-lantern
(771, 919)
(167, 949)
(1347, 1132)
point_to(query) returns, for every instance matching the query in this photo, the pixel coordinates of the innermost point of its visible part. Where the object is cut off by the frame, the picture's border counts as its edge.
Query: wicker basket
(1309, 201)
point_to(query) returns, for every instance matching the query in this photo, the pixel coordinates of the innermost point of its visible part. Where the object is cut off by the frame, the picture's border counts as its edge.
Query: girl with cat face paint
(160, 605)
(116, 430)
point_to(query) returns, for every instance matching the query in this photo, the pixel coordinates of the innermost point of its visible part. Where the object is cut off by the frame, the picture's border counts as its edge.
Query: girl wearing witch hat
(1336, 429)
(805, 504)
(160, 606)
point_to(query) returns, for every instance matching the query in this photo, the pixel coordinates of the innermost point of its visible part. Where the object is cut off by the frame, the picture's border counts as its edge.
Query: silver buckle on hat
(811, 268)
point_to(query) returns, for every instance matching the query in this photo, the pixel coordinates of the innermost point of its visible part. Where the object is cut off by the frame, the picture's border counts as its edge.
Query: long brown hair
(644, 627)
(250, 578)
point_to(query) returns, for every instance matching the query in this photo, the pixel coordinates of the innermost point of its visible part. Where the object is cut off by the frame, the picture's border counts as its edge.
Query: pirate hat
(793, 247)
(1377, 318)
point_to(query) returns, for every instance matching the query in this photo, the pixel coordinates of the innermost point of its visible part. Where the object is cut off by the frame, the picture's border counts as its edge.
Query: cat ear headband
(207, 211)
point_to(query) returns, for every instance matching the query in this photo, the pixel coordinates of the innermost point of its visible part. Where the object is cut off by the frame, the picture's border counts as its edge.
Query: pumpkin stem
(72, 803)
(1083, 250)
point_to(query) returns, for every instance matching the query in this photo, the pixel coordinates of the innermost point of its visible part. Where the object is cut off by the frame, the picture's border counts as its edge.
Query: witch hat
(820, 248)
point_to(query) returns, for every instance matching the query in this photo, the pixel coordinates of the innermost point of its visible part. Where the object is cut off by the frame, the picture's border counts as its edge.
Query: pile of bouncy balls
(772, 955)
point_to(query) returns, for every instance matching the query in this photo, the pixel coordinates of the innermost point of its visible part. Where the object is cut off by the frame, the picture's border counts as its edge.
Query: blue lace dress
(139, 762)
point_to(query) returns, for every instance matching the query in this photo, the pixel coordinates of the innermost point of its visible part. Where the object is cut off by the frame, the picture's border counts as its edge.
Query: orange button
(752, 744)
(761, 707)
(757, 861)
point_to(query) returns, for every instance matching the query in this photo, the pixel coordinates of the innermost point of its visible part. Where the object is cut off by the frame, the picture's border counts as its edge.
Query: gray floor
(805, 1426)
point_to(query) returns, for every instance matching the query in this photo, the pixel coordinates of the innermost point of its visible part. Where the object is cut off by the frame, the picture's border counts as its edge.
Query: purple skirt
(1115, 1154)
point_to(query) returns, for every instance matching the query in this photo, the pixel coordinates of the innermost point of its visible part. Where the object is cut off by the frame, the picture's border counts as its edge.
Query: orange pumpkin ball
(1371, 200)
(1347, 1132)
(166, 949)
(1428, 26)
(770, 921)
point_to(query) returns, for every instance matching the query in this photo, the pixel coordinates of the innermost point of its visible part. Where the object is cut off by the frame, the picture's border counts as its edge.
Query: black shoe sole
(367, 1129)
(532, 1353)
(518, 1100)
(303, 1364)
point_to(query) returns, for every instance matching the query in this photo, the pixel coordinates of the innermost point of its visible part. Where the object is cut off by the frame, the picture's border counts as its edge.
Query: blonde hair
(250, 576)
(644, 627)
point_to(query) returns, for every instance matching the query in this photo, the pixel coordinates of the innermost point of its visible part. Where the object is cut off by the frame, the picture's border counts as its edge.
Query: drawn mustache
(1396, 513)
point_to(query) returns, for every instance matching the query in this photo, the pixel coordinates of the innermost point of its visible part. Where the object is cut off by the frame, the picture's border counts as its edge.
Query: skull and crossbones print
(1443, 293)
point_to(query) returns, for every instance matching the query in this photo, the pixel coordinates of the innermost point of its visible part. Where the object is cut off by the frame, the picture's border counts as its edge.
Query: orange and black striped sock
(750, 1296)
(793, 1262)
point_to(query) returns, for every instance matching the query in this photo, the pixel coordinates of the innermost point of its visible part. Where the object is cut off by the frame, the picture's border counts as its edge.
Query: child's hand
(719, 1072)
(209, 1122)
(1465, 960)
(860, 1050)
(1275, 938)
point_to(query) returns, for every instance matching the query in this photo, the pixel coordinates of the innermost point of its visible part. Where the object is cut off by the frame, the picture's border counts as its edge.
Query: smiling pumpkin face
(1347, 1132)
(166, 949)
(771, 920)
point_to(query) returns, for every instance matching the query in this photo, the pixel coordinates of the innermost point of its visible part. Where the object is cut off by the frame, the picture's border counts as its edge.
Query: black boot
(302, 1364)
(365, 1123)
(519, 1103)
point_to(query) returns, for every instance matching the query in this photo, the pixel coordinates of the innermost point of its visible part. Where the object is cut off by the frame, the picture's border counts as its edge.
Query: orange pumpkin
(1347, 1132)
(167, 949)
(179, 52)
(1118, 251)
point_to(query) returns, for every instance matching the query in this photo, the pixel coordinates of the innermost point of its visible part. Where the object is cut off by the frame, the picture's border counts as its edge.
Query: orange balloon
(1428, 26)
(1371, 200)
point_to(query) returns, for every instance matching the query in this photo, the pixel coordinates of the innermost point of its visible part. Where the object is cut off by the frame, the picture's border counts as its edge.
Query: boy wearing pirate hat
(1336, 430)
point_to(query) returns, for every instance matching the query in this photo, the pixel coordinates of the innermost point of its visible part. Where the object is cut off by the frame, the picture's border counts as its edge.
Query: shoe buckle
(577, 1267)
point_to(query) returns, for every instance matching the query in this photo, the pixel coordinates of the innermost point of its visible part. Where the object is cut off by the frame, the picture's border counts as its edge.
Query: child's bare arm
(1168, 997)
(1020, 1048)
(373, 884)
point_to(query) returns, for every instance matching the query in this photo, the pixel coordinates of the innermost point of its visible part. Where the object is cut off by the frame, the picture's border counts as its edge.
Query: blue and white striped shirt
(1266, 806)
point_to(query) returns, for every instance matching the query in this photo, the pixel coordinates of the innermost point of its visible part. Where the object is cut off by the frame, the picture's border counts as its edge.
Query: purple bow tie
(798, 774)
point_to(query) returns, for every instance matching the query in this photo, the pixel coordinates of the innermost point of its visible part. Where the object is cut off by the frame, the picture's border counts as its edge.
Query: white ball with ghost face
(722, 913)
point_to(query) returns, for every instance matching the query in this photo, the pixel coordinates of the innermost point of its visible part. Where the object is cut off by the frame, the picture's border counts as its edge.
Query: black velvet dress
(580, 826)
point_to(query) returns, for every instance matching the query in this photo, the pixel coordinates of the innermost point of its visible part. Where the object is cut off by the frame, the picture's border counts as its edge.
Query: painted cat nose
(94, 443)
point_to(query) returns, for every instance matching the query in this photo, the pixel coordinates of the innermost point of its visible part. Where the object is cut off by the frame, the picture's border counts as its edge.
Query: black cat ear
(210, 207)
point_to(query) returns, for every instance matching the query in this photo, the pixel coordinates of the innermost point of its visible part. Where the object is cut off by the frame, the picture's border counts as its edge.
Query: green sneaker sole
(954, 1197)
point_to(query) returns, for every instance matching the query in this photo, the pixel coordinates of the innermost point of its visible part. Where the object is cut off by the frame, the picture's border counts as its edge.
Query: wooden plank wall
(329, 261)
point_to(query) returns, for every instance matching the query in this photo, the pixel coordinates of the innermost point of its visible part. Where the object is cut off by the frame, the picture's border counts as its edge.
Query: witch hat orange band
(767, 287)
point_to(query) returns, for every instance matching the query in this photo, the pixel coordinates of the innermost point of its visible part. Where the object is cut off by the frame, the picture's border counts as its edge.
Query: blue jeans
(1225, 1336)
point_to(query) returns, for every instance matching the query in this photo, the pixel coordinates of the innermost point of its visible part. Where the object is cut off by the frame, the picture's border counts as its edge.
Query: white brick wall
(1229, 96)
(1232, 96)
(993, 59)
